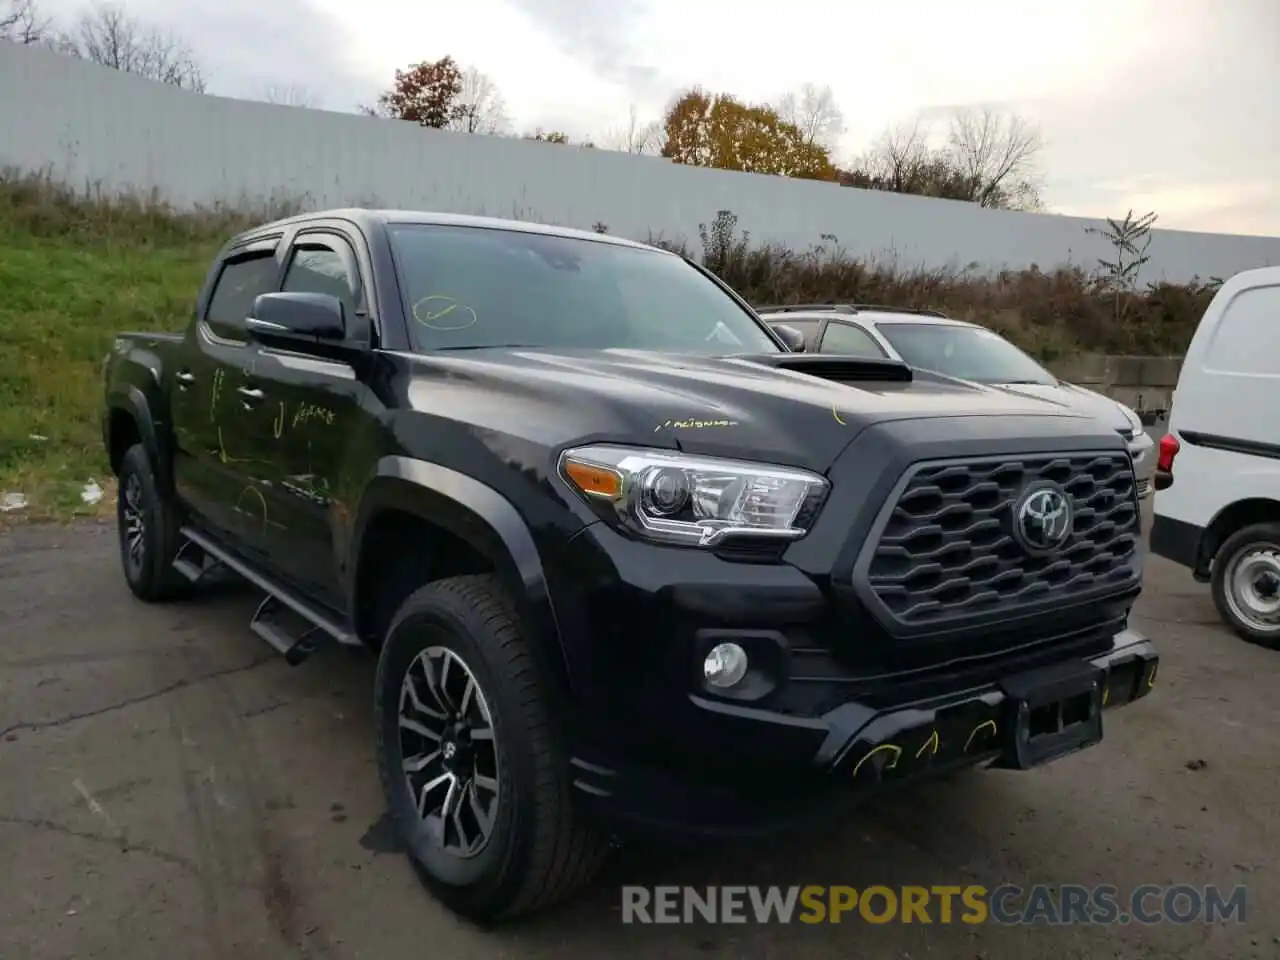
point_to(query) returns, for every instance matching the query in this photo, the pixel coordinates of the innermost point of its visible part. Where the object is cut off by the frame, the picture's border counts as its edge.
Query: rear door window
(1248, 336)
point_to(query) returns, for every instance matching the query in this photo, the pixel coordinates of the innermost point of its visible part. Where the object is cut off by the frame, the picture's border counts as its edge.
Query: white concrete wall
(89, 125)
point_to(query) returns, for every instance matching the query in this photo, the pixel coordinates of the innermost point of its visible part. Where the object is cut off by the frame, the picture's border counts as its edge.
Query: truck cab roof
(368, 217)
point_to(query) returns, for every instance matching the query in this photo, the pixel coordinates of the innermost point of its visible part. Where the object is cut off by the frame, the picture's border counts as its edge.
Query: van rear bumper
(1180, 542)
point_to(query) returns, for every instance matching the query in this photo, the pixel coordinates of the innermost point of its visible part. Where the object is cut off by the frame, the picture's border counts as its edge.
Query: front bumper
(853, 751)
(838, 683)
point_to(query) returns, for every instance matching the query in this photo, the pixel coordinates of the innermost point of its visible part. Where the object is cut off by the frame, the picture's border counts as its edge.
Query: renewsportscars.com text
(972, 904)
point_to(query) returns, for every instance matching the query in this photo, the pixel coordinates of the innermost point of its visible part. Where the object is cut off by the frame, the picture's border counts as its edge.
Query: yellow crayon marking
(974, 732)
(931, 742)
(261, 499)
(222, 451)
(277, 425)
(429, 311)
(225, 457)
(693, 424)
(837, 416)
(897, 752)
(309, 411)
(214, 394)
(1151, 677)
(1106, 695)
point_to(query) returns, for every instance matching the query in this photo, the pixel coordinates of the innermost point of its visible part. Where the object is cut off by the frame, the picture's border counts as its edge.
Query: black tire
(1252, 541)
(147, 558)
(539, 850)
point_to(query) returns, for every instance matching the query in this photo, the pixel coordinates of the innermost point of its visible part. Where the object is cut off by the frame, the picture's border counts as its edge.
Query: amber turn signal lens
(593, 480)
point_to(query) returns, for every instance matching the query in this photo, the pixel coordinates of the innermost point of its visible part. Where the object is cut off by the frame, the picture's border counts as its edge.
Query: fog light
(725, 665)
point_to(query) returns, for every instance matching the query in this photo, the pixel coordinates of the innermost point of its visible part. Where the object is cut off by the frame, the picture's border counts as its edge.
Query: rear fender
(131, 400)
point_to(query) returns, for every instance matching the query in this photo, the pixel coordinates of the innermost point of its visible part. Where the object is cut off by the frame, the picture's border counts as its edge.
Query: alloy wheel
(449, 751)
(135, 523)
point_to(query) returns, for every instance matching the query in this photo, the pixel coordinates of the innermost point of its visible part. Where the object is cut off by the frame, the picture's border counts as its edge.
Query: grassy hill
(73, 272)
(76, 268)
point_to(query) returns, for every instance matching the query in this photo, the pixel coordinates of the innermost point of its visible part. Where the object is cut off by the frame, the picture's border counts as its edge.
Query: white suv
(932, 341)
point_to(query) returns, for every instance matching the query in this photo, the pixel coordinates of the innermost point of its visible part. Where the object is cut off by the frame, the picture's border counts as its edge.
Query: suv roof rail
(797, 307)
(849, 308)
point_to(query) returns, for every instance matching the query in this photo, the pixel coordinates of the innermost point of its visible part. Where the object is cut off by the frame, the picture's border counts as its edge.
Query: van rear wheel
(1246, 583)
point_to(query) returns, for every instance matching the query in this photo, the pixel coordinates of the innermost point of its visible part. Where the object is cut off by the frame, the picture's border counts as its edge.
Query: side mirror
(306, 316)
(792, 337)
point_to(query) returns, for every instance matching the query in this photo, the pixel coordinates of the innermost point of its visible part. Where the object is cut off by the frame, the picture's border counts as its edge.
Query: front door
(306, 421)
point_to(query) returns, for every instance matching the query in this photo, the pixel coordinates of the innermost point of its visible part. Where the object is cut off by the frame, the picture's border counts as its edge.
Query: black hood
(725, 406)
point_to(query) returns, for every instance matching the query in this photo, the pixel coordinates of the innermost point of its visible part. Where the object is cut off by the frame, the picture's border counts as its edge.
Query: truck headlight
(699, 501)
(1134, 420)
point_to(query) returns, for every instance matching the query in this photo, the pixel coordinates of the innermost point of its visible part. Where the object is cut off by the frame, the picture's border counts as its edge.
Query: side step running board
(294, 646)
(193, 562)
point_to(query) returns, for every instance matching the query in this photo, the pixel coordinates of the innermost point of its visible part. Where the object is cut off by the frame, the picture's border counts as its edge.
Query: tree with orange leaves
(717, 130)
(426, 93)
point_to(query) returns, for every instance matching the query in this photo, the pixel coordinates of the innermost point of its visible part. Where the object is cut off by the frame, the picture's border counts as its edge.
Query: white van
(1217, 502)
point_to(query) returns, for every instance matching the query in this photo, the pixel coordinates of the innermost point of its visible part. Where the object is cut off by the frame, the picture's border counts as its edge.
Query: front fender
(476, 514)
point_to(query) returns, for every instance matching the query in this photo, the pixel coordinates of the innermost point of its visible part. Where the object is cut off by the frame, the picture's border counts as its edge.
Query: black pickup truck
(627, 561)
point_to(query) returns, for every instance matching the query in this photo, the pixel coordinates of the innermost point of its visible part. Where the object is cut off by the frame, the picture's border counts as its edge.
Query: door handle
(184, 378)
(250, 394)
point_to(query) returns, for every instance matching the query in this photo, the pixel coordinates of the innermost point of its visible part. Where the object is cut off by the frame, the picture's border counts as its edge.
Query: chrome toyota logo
(1042, 519)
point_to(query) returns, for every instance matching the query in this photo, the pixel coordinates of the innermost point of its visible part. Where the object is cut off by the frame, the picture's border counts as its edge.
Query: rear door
(1234, 386)
(1224, 409)
(214, 473)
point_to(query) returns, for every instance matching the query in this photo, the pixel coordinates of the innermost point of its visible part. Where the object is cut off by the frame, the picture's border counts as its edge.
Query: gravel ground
(169, 788)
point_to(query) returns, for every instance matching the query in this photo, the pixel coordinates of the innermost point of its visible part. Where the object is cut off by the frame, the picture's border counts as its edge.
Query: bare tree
(478, 107)
(814, 111)
(903, 161)
(289, 95)
(107, 35)
(21, 22)
(997, 153)
(636, 137)
(895, 162)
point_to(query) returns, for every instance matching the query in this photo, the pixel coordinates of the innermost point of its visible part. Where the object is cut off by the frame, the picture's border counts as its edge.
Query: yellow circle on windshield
(438, 312)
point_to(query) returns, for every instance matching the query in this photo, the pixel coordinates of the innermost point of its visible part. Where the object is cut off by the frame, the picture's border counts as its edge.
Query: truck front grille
(947, 550)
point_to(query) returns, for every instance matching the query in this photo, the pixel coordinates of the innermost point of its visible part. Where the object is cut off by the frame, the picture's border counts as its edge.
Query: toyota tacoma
(627, 562)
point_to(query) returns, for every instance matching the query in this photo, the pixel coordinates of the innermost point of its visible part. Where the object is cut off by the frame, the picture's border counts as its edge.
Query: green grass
(75, 270)
(60, 306)
(77, 267)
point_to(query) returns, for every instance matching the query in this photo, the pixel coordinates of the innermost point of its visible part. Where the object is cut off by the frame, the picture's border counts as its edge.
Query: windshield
(472, 287)
(969, 353)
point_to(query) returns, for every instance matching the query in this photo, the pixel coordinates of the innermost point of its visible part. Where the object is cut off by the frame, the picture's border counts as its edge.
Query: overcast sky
(1172, 107)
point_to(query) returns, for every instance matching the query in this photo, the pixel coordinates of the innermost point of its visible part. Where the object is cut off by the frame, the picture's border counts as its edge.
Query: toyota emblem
(1042, 518)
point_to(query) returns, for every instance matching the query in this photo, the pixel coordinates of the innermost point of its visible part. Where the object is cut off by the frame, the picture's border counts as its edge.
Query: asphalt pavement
(170, 788)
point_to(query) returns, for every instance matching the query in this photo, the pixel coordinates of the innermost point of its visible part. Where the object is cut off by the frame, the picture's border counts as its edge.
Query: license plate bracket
(1052, 712)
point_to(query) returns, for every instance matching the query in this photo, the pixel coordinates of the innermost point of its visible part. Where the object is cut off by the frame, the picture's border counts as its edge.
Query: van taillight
(1169, 447)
